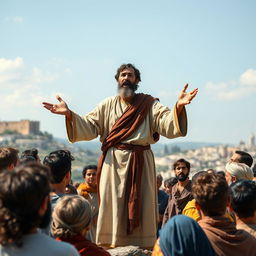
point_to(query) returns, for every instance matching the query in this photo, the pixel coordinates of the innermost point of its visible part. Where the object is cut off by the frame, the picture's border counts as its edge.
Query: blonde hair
(70, 216)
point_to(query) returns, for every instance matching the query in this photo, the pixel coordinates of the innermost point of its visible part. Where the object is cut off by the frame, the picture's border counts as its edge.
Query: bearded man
(127, 124)
(181, 191)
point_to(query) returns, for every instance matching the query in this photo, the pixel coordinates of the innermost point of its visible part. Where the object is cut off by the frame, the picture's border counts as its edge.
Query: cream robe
(112, 218)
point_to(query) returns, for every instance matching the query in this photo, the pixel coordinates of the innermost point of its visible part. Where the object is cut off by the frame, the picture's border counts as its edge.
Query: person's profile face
(228, 177)
(235, 158)
(168, 189)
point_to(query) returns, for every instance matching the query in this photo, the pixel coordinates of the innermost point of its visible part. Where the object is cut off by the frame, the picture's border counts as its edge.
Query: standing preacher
(127, 124)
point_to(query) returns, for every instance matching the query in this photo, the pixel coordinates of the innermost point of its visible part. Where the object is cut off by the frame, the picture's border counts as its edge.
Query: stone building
(24, 127)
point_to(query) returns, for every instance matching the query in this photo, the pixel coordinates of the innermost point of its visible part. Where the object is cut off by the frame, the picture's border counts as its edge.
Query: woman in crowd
(71, 220)
(182, 236)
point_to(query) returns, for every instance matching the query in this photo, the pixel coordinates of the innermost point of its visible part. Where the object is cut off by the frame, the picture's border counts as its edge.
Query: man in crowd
(59, 163)
(25, 207)
(242, 157)
(243, 203)
(8, 158)
(237, 171)
(127, 124)
(211, 193)
(181, 192)
(162, 201)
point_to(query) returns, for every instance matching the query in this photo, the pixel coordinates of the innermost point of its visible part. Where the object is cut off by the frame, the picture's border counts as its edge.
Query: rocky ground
(129, 251)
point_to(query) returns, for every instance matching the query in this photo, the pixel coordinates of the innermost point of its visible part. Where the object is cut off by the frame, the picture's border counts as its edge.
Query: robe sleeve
(86, 127)
(167, 122)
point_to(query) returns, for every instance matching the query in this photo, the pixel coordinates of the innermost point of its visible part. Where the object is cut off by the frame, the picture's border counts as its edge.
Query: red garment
(84, 246)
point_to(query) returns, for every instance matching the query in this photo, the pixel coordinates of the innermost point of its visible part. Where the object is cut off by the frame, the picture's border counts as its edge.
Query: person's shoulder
(56, 247)
(110, 99)
(163, 194)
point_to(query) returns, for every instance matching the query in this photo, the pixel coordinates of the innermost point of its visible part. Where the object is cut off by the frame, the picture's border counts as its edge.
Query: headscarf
(239, 170)
(183, 236)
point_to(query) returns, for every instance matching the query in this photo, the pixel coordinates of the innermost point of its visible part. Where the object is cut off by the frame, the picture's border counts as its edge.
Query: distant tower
(252, 141)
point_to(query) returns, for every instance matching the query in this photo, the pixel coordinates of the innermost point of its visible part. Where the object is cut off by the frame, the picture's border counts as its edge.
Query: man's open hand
(60, 109)
(186, 97)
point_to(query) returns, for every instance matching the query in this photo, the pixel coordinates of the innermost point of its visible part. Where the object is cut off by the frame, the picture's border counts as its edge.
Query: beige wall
(24, 127)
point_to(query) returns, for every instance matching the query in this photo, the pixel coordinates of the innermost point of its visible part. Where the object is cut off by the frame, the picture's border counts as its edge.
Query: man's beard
(127, 89)
(45, 220)
(182, 176)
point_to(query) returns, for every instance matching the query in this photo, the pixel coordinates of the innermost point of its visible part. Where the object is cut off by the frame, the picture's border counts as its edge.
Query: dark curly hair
(87, 167)
(59, 162)
(8, 156)
(22, 192)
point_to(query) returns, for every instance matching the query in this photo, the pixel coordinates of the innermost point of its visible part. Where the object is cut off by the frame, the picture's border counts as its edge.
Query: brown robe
(226, 239)
(177, 201)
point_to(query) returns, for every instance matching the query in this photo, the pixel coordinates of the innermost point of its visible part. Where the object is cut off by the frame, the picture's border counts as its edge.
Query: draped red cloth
(124, 127)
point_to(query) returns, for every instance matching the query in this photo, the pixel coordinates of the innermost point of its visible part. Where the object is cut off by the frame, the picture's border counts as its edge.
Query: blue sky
(73, 48)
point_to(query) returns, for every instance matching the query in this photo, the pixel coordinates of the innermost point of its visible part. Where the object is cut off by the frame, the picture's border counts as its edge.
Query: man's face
(181, 171)
(127, 83)
(235, 158)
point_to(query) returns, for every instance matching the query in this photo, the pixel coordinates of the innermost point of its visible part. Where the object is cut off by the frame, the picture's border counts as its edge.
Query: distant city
(26, 134)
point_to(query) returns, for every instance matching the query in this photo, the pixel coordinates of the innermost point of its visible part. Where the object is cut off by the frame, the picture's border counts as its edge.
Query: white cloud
(21, 87)
(233, 90)
(15, 19)
(9, 65)
(248, 77)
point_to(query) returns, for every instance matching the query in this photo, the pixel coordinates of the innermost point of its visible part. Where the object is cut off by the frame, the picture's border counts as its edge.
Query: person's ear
(197, 206)
(233, 179)
(10, 167)
(44, 206)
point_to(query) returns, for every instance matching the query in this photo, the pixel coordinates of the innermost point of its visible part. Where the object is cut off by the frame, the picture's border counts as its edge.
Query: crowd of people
(43, 213)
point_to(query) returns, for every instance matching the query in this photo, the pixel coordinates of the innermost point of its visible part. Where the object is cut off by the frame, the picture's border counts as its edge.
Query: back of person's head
(88, 167)
(245, 158)
(170, 182)
(59, 163)
(239, 171)
(196, 175)
(22, 193)
(243, 198)
(211, 193)
(33, 153)
(159, 177)
(183, 236)
(71, 215)
(27, 159)
(8, 158)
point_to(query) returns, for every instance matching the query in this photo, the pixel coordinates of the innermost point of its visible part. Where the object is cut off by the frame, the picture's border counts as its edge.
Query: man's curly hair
(22, 192)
